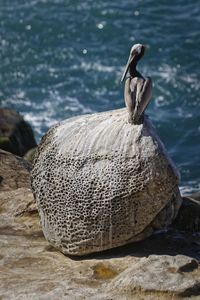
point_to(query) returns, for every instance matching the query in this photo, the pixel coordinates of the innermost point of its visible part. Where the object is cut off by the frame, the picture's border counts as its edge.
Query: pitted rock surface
(101, 182)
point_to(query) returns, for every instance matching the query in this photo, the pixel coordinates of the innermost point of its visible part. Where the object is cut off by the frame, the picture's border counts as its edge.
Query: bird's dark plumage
(137, 90)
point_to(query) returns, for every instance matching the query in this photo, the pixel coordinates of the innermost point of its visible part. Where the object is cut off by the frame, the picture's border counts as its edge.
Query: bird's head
(137, 51)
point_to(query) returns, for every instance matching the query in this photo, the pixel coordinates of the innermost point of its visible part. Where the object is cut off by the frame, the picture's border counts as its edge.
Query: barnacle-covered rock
(101, 182)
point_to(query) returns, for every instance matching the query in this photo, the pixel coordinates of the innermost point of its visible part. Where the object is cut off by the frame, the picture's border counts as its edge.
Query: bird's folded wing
(143, 96)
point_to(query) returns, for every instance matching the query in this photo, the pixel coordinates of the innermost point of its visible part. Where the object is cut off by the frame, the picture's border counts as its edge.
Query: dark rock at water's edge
(16, 135)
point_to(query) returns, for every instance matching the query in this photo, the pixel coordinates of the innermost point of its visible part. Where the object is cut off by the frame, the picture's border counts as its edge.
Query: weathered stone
(18, 213)
(16, 135)
(14, 172)
(32, 269)
(101, 182)
(16, 199)
(159, 274)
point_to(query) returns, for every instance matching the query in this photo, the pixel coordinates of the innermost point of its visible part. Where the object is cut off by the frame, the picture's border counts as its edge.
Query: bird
(137, 89)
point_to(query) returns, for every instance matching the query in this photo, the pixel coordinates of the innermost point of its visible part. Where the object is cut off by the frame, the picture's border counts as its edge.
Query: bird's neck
(133, 70)
(133, 67)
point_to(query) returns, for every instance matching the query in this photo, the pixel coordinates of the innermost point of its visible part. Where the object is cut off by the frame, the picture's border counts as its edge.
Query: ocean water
(61, 58)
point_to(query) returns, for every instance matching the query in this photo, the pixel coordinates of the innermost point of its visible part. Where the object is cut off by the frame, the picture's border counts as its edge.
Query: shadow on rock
(171, 242)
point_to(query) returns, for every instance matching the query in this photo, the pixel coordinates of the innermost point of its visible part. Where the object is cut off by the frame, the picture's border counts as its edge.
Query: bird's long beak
(130, 59)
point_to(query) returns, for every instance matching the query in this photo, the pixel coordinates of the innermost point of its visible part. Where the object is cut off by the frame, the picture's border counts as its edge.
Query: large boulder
(16, 135)
(101, 182)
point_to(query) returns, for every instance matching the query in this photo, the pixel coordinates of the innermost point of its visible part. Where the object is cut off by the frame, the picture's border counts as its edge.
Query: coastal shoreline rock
(30, 268)
(16, 135)
(14, 172)
(153, 274)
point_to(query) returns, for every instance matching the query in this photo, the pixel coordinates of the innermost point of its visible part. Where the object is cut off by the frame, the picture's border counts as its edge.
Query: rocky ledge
(164, 266)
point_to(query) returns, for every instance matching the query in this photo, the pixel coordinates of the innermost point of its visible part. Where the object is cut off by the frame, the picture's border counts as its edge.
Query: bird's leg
(128, 99)
(142, 100)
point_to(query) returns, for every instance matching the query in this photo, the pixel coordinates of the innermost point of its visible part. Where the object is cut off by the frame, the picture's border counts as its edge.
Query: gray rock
(18, 213)
(158, 274)
(101, 182)
(16, 199)
(16, 135)
(14, 172)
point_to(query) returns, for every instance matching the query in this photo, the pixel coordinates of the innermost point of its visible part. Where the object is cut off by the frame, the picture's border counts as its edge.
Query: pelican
(137, 90)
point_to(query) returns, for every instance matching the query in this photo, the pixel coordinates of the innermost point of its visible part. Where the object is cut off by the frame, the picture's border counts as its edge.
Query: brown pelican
(137, 90)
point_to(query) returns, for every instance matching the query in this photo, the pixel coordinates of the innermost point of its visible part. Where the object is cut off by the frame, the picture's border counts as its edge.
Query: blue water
(60, 58)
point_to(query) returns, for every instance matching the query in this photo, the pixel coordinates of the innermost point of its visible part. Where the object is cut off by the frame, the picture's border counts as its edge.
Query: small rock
(14, 172)
(18, 210)
(16, 135)
(156, 274)
(18, 213)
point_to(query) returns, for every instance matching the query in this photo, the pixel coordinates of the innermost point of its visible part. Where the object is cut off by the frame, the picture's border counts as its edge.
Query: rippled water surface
(60, 58)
